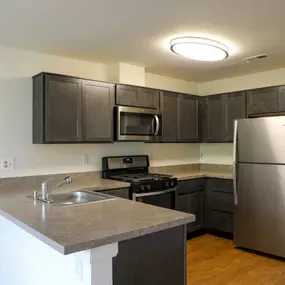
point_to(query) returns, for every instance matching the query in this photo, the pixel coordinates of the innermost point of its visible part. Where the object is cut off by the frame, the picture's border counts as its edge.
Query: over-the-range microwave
(137, 124)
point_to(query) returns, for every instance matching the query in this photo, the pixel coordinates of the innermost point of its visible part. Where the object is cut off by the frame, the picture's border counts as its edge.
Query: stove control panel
(154, 186)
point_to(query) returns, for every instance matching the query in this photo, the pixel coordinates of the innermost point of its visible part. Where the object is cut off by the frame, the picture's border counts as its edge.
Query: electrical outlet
(201, 154)
(7, 164)
(84, 159)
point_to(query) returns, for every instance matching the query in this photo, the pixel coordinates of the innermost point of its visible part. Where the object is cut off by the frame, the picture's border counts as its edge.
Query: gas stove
(134, 169)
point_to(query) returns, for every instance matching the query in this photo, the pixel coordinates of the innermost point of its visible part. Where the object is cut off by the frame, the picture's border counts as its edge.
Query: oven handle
(157, 125)
(135, 195)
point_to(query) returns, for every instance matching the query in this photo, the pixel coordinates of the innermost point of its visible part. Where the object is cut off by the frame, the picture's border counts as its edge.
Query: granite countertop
(184, 175)
(75, 228)
(192, 171)
(80, 227)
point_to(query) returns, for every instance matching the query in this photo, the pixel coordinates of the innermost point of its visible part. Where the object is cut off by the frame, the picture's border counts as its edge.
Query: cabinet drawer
(121, 193)
(222, 221)
(222, 201)
(190, 186)
(220, 185)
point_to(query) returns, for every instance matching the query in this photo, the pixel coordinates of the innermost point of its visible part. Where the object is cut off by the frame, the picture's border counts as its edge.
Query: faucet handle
(68, 179)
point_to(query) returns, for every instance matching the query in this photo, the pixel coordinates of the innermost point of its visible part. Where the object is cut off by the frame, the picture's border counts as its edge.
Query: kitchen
(207, 157)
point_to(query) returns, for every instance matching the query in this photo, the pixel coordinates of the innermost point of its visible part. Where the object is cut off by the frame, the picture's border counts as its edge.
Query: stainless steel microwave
(138, 124)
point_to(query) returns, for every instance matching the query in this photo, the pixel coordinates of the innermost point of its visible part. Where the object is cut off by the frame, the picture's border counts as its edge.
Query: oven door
(137, 124)
(164, 198)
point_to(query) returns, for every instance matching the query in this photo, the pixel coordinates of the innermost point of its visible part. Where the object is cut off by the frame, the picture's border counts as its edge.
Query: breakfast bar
(105, 242)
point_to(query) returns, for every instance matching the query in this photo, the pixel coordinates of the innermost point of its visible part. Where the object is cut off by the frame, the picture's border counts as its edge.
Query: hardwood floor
(215, 261)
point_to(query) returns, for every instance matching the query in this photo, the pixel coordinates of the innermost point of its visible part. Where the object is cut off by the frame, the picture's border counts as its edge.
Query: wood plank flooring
(215, 261)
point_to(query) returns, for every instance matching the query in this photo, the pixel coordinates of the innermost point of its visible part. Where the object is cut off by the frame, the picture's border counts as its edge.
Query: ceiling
(138, 32)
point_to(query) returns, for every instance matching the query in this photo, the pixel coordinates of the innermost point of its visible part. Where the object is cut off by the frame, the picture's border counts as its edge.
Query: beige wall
(251, 81)
(173, 84)
(16, 71)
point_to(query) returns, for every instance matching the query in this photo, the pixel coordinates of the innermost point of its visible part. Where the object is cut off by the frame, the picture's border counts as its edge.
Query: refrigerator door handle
(235, 163)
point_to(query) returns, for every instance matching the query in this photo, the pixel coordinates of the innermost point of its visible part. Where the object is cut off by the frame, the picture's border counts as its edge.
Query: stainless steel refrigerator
(259, 184)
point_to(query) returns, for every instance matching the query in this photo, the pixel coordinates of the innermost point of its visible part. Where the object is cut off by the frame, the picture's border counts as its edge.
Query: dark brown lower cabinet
(158, 258)
(211, 200)
(221, 221)
(219, 204)
(121, 192)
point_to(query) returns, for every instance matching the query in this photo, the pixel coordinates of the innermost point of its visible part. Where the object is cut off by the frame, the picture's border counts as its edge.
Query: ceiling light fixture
(199, 48)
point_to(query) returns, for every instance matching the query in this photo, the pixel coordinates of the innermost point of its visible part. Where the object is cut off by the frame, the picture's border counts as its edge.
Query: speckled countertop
(76, 228)
(71, 229)
(192, 171)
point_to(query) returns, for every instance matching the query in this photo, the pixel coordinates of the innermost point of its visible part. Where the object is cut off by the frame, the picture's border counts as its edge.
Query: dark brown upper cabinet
(97, 111)
(169, 103)
(221, 111)
(188, 130)
(202, 119)
(57, 115)
(281, 99)
(235, 109)
(216, 123)
(71, 110)
(262, 101)
(134, 96)
(179, 117)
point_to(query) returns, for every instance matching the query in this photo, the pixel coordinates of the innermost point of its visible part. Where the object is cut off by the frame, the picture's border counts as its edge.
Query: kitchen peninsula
(115, 240)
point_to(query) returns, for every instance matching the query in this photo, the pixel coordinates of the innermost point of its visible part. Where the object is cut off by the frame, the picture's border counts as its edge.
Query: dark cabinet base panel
(158, 258)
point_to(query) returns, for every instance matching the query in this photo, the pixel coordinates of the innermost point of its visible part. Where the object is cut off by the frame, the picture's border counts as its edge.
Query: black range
(146, 187)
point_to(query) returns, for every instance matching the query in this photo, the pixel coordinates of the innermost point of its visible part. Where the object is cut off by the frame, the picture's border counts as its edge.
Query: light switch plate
(7, 164)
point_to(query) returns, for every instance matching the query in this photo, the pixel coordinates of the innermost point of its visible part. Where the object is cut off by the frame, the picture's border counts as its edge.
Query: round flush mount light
(199, 48)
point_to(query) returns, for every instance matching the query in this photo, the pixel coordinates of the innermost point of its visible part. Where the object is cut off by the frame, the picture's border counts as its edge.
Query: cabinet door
(169, 117)
(182, 203)
(188, 119)
(281, 99)
(196, 207)
(262, 101)
(97, 111)
(148, 98)
(222, 221)
(62, 109)
(235, 109)
(192, 204)
(127, 95)
(202, 119)
(216, 127)
(122, 193)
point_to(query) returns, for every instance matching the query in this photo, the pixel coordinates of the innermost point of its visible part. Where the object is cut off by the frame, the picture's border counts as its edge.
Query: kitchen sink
(75, 198)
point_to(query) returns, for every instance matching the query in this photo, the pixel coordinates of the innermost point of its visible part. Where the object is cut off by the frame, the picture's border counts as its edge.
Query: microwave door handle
(157, 125)
(153, 125)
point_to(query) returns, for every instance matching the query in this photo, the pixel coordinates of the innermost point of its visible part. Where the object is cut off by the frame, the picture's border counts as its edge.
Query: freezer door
(259, 216)
(261, 140)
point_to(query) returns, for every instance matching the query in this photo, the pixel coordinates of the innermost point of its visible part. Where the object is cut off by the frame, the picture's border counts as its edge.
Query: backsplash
(217, 153)
(51, 159)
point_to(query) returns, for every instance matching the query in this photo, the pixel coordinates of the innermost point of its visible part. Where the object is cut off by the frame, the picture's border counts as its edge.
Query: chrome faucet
(44, 191)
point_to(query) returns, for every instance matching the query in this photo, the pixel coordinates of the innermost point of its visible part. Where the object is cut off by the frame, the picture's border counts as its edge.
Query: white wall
(16, 71)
